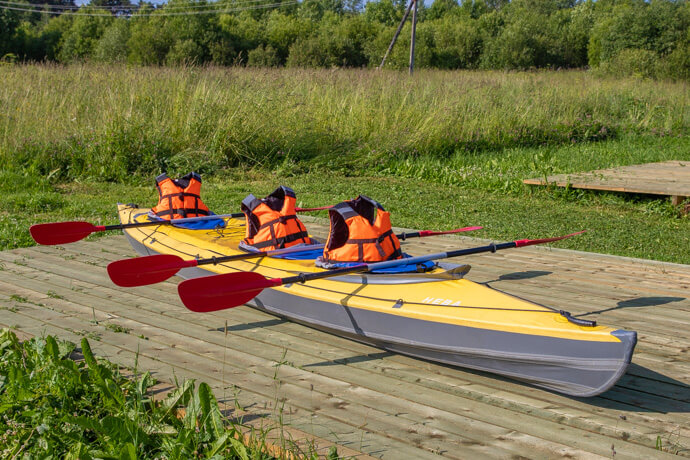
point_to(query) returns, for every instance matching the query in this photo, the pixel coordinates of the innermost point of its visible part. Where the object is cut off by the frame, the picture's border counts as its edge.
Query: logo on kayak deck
(442, 302)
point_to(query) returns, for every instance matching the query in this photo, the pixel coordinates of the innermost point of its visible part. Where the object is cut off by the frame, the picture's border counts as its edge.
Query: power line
(156, 13)
(176, 6)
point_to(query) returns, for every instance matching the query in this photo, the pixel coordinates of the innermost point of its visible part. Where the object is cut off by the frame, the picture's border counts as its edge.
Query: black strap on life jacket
(281, 242)
(275, 201)
(365, 207)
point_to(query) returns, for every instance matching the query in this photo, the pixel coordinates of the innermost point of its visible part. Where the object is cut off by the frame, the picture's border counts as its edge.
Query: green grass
(505, 172)
(439, 150)
(617, 224)
(116, 123)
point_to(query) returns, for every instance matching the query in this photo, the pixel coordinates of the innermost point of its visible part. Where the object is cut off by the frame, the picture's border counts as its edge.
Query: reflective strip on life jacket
(360, 232)
(179, 198)
(272, 222)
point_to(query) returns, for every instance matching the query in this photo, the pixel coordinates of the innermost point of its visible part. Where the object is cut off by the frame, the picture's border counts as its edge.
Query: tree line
(647, 38)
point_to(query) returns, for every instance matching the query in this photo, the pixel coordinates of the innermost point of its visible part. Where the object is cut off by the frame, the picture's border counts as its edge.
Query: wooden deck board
(671, 178)
(157, 336)
(371, 401)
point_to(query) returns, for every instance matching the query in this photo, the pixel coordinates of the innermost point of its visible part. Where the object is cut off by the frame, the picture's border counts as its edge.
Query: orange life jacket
(360, 232)
(179, 198)
(271, 221)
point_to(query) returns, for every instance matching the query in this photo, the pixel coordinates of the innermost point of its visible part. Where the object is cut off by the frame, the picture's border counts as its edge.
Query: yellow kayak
(436, 314)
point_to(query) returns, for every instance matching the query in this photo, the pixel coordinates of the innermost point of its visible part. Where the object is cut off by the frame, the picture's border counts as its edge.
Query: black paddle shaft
(169, 222)
(257, 255)
(303, 277)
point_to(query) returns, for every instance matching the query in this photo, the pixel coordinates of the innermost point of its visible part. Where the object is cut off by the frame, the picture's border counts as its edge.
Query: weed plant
(54, 407)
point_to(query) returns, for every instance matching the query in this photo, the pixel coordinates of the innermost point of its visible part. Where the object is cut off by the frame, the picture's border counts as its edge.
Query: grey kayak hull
(572, 367)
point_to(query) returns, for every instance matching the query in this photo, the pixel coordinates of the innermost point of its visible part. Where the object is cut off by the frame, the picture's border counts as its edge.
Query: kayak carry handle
(577, 321)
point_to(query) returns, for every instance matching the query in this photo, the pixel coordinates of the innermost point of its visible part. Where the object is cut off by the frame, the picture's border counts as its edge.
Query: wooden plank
(670, 178)
(405, 408)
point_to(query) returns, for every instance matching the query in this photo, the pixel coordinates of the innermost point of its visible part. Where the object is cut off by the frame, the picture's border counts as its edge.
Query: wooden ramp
(375, 403)
(670, 178)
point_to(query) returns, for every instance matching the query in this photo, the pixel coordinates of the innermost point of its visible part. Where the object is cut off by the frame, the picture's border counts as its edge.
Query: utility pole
(414, 31)
(397, 32)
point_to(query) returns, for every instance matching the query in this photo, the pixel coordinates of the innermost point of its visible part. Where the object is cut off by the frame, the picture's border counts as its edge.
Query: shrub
(399, 58)
(677, 64)
(185, 52)
(632, 62)
(112, 47)
(149, 41)
(282, 31)
(263, 56)
(337, 43)
(457, 43)
(80, 40)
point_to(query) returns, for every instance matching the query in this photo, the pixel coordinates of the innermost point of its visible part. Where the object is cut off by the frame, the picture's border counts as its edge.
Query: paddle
(69, 232)
(213, 293)
(140, 271)
(422, 233)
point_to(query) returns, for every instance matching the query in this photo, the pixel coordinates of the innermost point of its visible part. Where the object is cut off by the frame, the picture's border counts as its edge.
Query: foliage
(677, 64)
(112, 46)
(52, 406)
(632, 62)
(79, 42)
(457, 44)
(335, 43)
(522, 34)
(9, 21)
(263, 56)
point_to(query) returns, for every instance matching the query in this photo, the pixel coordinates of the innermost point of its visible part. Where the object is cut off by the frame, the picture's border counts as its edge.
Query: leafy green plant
(51, 405)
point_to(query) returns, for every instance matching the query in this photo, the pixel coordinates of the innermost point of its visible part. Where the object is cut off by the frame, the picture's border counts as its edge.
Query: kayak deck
(385, 404)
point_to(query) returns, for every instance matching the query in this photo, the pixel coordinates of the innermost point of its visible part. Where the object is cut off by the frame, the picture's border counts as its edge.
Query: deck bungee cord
(123, 272)
(152, 269)
(398, 303)
(230, 290)
(52, 233)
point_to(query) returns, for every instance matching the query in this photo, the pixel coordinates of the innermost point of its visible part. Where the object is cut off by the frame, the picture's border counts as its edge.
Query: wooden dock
(374, 403)
(670, 178)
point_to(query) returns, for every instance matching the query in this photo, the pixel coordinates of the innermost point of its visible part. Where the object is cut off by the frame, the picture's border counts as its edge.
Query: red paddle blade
(520, 243)
(140, 271)
(213, 293)
(62, 232)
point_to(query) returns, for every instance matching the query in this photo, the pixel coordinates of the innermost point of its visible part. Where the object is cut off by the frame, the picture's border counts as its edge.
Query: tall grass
(118, 123)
